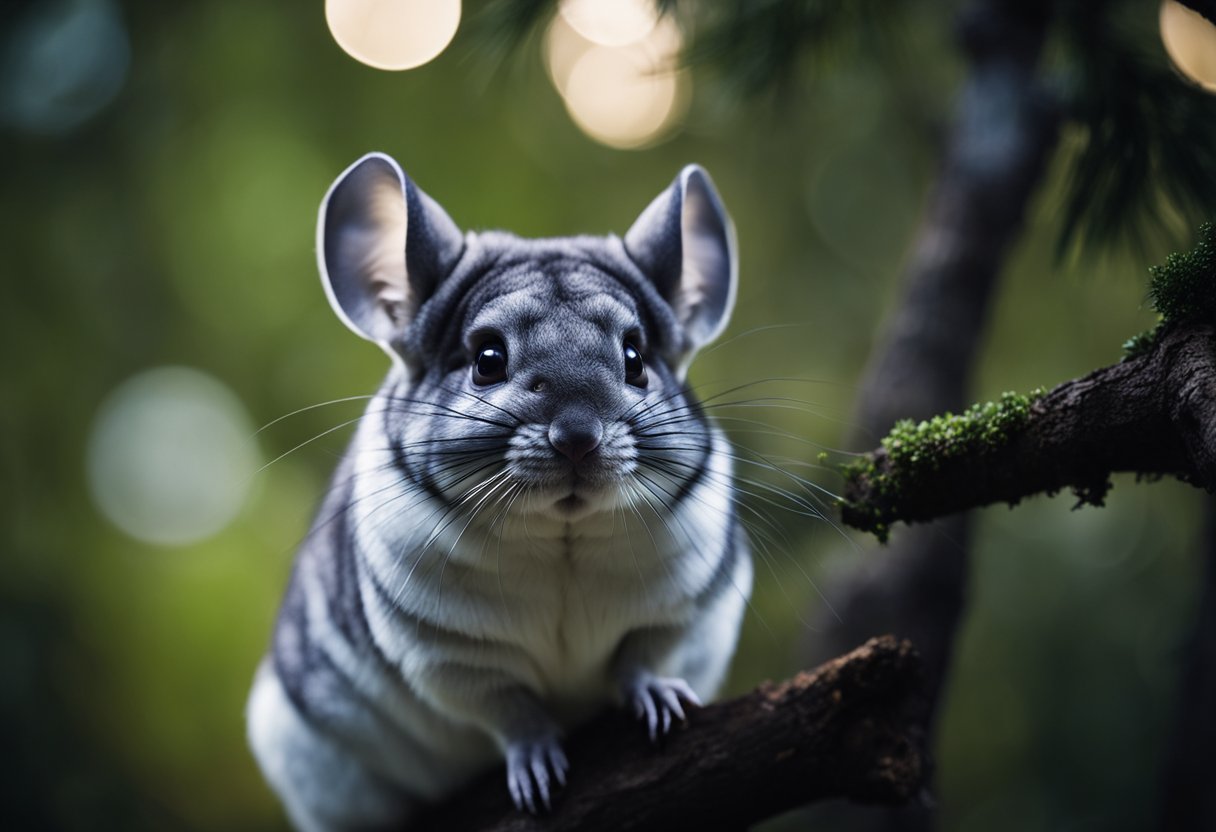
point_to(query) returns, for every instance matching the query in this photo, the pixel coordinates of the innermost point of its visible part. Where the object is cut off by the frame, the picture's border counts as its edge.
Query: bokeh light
(62, 64)
(1190, 40)
(622, 96)
(612, 23)
(393, 34)
(171, 456)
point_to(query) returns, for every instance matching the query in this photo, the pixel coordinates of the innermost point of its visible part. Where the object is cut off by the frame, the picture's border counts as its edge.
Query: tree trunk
(1188, 799)
(1001, 138)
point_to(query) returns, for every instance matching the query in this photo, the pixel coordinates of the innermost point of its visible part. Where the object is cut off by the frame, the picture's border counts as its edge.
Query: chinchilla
(534, 520)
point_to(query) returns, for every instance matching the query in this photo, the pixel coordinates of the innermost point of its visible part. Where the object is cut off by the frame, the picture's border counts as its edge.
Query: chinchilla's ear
(382, 246)
(685, 242)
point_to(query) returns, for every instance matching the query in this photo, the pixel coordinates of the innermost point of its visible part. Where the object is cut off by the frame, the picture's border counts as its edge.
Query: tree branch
(853, 727)
(1153, 415)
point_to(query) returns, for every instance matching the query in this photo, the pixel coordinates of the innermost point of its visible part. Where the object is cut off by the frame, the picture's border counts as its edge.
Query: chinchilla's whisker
(419, 495)
(632, 415)
(809, 489)
(746, 506)
(343, 400)
(703, 401)
(672, 468)
(448, 515)
(813, 510)
(642, 520)
(490, 488)
(342, 482)
(639, 495)
(673, 417)
(305, 443)
(489, 439)
(769, 559)
(817, 509)
(784, 463)
(764, 540)
(747, 333)
(655, 438)
(515, 418)
(440, 409)
(801, 506)
(821, 414)
(516, 489)
(368, 397)
(643, 586)
(640, 490)
(642, 481)
(327, 432)
(762, 429)
(632, 412)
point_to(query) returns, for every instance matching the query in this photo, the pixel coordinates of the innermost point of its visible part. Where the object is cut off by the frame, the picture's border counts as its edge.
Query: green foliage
(761, 46)
(1183, 288)
(1148, 149)
(1146, 156)
(502, 28)
(1139, 345)
(916, 448)
(753, 46)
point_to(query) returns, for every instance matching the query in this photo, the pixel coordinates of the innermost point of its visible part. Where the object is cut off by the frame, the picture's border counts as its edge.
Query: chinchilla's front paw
(657, 699)
(529, 764)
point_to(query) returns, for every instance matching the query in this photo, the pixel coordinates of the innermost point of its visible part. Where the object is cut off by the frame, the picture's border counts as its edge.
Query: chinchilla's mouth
(574, 496)
(580, 494)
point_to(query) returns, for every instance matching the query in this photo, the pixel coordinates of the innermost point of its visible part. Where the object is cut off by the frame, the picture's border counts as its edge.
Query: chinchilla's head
(533, 376)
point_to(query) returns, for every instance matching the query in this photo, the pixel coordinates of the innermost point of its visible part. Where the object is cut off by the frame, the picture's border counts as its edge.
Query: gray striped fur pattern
(534, 521)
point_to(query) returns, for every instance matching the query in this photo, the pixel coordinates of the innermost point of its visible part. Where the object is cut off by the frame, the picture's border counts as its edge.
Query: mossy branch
(1153, 414)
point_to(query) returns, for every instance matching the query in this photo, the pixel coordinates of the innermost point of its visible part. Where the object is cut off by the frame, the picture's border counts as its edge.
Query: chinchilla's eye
(490, 365)
(635, 368)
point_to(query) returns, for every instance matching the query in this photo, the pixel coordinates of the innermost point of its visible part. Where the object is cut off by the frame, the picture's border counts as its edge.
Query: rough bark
(1153, 415)
(852, 728)
(1003, 132)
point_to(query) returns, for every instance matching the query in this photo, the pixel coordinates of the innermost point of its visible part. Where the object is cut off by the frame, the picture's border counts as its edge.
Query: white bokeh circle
(393, 34)
(171, 456)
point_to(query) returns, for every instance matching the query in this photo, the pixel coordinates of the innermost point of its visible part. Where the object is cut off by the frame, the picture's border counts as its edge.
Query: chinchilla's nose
(576, 434)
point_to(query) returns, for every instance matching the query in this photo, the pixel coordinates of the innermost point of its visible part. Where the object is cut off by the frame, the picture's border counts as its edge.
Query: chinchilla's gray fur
(497, 559)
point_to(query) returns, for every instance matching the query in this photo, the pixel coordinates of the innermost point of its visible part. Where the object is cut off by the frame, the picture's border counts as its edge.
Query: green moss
(1139, 345)
(1183, 288)
(915, 449)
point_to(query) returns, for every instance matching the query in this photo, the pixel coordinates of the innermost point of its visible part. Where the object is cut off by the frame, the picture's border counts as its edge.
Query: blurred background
(163, 163)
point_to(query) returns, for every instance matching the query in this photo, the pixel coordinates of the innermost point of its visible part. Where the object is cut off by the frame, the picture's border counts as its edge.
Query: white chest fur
(542, 600)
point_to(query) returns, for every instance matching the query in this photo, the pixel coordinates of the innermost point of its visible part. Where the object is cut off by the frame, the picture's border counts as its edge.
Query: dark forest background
(162, 216)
